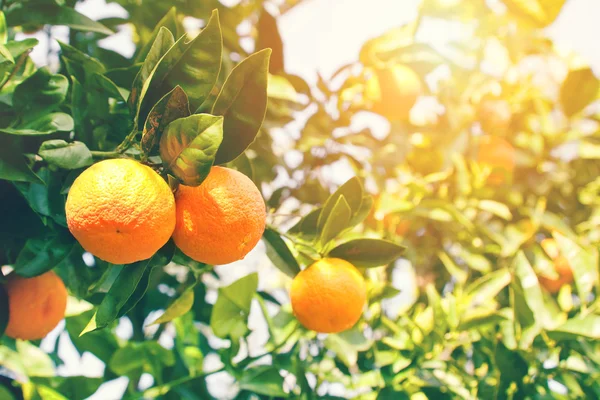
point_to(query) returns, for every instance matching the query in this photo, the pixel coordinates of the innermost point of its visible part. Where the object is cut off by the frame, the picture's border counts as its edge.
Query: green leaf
(137, 357)
(337, 221)
(102, 344)
(352, 191)
(367, 253)
(124, 288)
(39, 94)
(280, 254)
(532, 293)
(243, 103)
(50, 13)
(161, 45)
(194, 65)
(44, 125)
(13, 164)
(265, 380)
(179, 307)
(72, 387)
(17, 48)
(347, 344)
(582, 263)
(365, 208)
(169, 22)
(487, 287)
(579, 89)
(3, 29)
(496, 208)
(79, 64)
(188, 147)
(172, 106)
(42, 254)
(306, 227)
(230, 313)
(65, 155)
(35, 361)
(578, 327)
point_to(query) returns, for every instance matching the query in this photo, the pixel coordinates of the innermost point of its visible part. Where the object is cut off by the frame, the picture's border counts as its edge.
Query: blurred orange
(498, 154)
(495, 117)
(393, 91)
(561, 265)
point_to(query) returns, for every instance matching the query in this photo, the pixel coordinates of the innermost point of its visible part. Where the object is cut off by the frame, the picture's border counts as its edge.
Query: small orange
(221, 220)
(393, 91)
(495, 116)
(499, 155)
(36, 305)
(121, 211)
(561, 265)
(329, 296)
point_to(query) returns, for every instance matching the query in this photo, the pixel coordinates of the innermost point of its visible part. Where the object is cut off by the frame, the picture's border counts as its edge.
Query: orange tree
(487, 174)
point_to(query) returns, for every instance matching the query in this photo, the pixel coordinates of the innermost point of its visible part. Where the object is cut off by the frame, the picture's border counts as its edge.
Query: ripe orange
(393, 91)
(495, 117)
(561, 265)
(121, 211)
(36, 305)
(221, 220)
(329, 296)
(498, 154)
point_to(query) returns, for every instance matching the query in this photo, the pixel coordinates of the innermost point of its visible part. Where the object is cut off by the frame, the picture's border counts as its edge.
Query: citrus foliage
(473, 187)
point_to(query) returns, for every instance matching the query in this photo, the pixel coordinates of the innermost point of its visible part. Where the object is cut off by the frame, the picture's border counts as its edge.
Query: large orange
(329, 296)
(393, 91)
(561, 265)
(36, 305)
(121, 211)
(221, 220)
(499, 155)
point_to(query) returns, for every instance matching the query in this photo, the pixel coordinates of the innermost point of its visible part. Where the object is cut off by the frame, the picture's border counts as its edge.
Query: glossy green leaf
(243, 103)
(65, 155)
(583, 264)
(338, 220)
(44, 125)
(578, 327)
(188, 147)
(136, 357)
(352, 191)
(124, 288)
(263, 379)
(53, 14)
(13, 164)
(230, 313)
(161, 45)
(280, 254)
(172, 106)
(39, 94)
(307, 227)
(368, 253)
(194, 65)
(42, 254)
(179, 307)
(169, 21)
(3, 29)
(532, 292)
(17, 48)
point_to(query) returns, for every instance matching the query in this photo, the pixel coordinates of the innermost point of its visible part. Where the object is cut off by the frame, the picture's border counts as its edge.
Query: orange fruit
(393, 91)
(221, 220)
(495, 116)
(36, 305)
(561, 265)
(499, 155)
(329, 296)
(121, 211)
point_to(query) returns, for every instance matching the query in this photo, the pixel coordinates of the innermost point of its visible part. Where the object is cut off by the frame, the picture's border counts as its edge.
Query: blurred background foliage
(474, 154)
